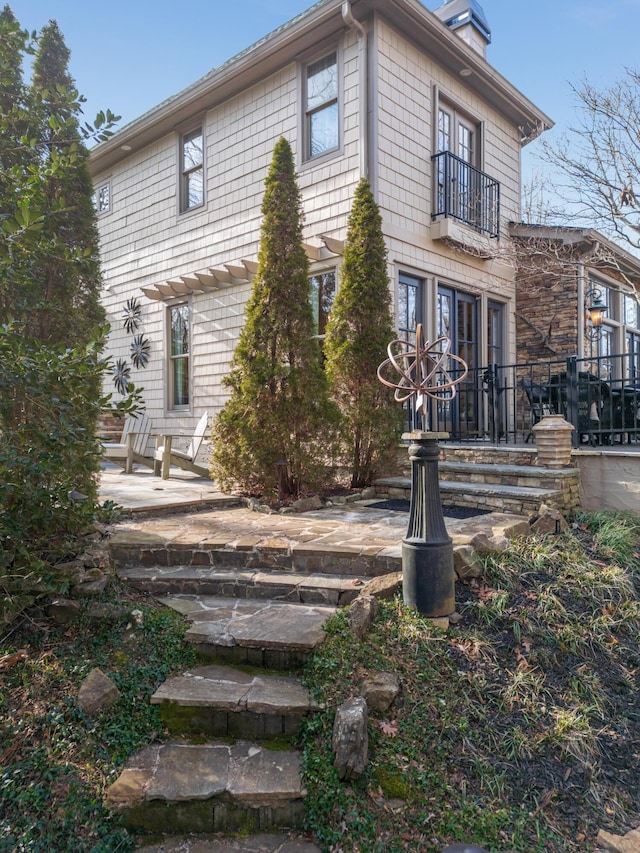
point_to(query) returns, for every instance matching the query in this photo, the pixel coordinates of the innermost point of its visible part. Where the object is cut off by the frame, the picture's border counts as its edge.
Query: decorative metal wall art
(131, 315)
(140, 349)
(121, 376)
(140, 345)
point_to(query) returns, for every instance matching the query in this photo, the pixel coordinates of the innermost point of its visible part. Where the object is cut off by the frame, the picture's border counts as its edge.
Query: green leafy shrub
(50, 400)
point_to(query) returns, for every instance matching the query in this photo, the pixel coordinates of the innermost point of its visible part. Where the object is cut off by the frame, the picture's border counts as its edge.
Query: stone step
(293, 587)
(509, 475)
(177, 787)
(269, 634)
(523, 500)
(220, 701)
(263, 843)
(328, 554)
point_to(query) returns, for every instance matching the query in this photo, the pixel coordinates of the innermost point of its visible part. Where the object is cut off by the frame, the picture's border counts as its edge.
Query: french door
(456, 136)
(457, 320)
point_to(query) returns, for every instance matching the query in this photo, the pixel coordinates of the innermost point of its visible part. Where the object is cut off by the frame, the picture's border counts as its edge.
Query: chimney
(468, 20)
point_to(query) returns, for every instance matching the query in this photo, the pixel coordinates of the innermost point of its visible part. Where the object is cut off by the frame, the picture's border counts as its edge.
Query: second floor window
(103, 198)
(321, 106)
(191, 170)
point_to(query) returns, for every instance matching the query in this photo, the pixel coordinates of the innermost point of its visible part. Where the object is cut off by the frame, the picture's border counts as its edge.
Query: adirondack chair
(166, 455)
(132, 445)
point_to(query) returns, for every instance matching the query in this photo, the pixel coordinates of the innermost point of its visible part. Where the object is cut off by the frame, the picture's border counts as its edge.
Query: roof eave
(572, 236)
(301, 34)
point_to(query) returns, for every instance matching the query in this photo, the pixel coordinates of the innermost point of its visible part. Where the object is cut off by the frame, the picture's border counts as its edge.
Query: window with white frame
(322, 293)
(179, 356)
(322, 111)
(102, 198)
(617, 343)
(191, 170)
(631, 306)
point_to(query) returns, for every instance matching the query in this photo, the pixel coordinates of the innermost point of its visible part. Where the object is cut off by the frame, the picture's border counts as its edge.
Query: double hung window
(179, 356)
(632, 335)
(191, 170)
(322, 112)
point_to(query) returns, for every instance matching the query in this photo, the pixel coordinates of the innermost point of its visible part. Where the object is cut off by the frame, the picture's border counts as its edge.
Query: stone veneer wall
(546, 317)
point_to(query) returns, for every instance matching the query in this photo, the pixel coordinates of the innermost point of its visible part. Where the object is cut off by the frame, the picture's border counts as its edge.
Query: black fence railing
(465, 193)
(498, 404)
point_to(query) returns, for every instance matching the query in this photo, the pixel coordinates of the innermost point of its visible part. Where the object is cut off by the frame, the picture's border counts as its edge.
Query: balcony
(466, 205)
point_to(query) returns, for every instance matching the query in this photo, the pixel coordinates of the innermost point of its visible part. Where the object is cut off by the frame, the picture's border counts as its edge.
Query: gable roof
(284, 45)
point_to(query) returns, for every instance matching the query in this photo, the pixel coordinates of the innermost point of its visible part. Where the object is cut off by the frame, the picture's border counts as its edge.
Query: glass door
(493, 381)
(409, 315)
(455, 192)
(457, 320)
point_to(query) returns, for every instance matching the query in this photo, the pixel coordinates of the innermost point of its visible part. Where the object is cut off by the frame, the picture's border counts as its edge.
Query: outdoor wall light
(596, 309)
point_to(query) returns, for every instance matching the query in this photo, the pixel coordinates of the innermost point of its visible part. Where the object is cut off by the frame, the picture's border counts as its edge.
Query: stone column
(552, 435)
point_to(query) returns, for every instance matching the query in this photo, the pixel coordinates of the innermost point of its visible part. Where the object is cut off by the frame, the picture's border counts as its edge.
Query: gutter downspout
(350, 21)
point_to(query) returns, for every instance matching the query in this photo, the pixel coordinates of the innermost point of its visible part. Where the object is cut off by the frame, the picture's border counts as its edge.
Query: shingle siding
(145, 241)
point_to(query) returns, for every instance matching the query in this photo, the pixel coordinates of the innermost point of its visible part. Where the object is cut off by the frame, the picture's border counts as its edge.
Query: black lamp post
(428, 581)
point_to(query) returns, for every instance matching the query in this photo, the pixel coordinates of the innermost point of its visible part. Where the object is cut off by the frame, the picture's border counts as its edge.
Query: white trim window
(632, 335)
(191, 170)
(321, 106)
(102, 198)
(179, 356)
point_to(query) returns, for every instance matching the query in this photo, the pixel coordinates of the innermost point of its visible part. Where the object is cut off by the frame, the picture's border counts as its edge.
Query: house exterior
(383, 89)
(562, 272)
(578, 320)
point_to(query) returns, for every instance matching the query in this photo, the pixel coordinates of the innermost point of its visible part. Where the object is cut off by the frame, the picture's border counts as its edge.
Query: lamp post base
(428, 579)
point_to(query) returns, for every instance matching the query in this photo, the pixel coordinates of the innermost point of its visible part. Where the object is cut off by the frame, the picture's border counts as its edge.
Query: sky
(129, 55)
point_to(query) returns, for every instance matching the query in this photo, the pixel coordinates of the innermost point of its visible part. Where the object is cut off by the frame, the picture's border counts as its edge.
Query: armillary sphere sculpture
(427, 550)
(424, 373)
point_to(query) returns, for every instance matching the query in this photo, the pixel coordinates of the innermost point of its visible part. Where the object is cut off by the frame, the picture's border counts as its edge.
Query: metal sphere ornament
(424, 370)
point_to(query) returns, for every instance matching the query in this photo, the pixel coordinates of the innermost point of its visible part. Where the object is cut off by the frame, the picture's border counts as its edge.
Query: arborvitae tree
(275, 431)
(68, 270)
(14, 157)
(49, 261)
(13, 45)
(358, 332)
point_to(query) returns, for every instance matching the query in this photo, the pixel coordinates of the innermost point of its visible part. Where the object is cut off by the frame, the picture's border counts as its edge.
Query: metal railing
(500, 404)
(465, 193)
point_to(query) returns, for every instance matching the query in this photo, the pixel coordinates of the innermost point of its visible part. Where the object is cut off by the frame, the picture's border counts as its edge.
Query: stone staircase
(229, 767)
(500, 480)
(256, 591)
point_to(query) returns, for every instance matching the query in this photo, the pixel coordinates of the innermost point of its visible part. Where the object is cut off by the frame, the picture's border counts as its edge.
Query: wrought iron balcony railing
(465, 193)
(600, 397)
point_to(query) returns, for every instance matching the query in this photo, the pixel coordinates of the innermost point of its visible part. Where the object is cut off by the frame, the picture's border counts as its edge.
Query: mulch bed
(400, 505)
